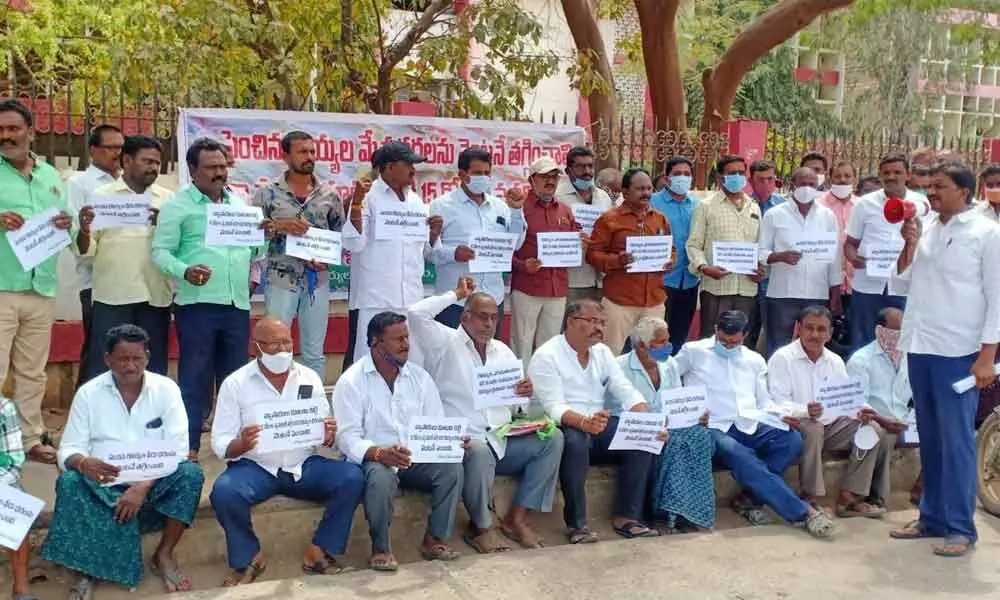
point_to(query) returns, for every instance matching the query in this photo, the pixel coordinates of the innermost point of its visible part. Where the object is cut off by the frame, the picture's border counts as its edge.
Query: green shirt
(28, 197)
(179, 242)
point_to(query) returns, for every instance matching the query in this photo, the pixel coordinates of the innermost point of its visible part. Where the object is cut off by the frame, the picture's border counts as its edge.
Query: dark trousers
(581, 450)
(681, 306)
(214, 341)
(452, 317)
(782, 313)
(85, 305)
(864, 313)
(712, 306)
(352, 332)
(757, 317)
(153, 319)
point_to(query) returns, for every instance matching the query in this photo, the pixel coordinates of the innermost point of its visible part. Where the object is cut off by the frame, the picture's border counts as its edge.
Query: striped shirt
(11, 450)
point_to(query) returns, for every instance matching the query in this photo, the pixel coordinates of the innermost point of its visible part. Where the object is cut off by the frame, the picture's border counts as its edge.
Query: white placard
(910, 434)
(880, 258)
(436, 439)
(650, 253)
(560, 249)
(764, 417)
(735, 257)
(495, 384)
(18, 512)
(586, 215)
(290, 425)
(38, 239)
(141, 460)
(638, 431)
(494, 252)
(683, 406)
(120, 210)
(233, 225)
(401, 223)
(820, 246)
(843, 397)
(320, 245)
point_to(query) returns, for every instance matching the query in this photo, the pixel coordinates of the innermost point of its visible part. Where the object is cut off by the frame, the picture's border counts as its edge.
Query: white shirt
(370, 414)
(584, 276)
(98, 415)
(451, 358)
(739, 382)
(985, 209)
(868, 225)
(810, 279)
(234, 410)
(954, 288)
(385, 273)
(561, 384)
(80, 187)
(792, 377)
(887, 389)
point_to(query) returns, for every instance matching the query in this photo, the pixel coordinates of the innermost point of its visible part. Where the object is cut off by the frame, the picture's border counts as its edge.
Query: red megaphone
(898, 210)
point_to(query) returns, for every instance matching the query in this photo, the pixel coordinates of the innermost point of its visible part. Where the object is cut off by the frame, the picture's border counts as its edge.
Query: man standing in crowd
(537, 293)
(841, 200)
(922, 161)
(628, 296)
(727, 216)
(580, 189)
(387, 270)
(128, 288)
(819, 164)
(764, 183)
(989, 188)
(797, 281)
(212, 307)
(468, 210)
(300, 289)
(610, 180)
(868, 184)
(105, 148)
(28, 186)
(677, 204)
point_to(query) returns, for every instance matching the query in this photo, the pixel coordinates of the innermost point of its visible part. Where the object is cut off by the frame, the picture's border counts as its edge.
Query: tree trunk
(581, 17)
(658, 26)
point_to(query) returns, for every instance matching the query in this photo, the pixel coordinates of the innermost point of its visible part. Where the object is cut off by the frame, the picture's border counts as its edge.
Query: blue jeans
(452, 317)
(214, 341)
(946, 422)
(336, 483)
(313, 314)
(863, 314)
(758, 462)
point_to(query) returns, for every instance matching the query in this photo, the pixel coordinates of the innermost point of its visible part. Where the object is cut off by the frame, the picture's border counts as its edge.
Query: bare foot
(520, 532)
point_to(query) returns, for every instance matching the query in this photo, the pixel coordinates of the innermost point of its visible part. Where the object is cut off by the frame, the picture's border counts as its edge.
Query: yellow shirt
(124, 272)
(716, 219)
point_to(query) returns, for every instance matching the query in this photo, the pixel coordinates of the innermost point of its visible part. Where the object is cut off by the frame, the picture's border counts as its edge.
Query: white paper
(401, 222)
(820, 246)
(321, 245)
(735, 257)
(494, 252)
(910, 434)
(843, 397)
(683, 406)
(560, 249)
(638, 431)
(764, 417)
(586, 215)
(141, 460)
(650, 253)
(233, 225)
(120, 210)
(436, 439)
(38, 239)
(18, 512)
(495, 384)
(880, 258)
(290, 425)
(967, 383)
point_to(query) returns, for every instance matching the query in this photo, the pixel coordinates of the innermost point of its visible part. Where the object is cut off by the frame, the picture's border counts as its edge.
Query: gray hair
(609, 176)
(645, 330)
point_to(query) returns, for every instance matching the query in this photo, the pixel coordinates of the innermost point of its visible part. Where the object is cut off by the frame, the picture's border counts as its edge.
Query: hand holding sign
(649, 253)
(318, 245)
(841, 397)
(560, 249)
(494, 252)
(639, 431)
(18, 512)
(496, 384)
(39, 238)
(233, 225)
(684, 406)
(291, 425)
(143, 460)
(437, 439)
(735, 257)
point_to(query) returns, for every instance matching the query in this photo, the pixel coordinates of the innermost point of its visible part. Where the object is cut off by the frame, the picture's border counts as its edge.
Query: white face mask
(276, 363)
(865, 438)
(804, 194)
(820, 179)
(841, 191)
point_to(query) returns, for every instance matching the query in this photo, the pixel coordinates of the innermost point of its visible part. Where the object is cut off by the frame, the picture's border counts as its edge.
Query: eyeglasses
(104, 147)
(595, 321)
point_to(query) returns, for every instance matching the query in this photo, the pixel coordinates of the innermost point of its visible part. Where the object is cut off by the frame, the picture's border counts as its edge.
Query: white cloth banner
(683, 406)
(290, 425)
(140, 460)
(38, 239)
(120, 210)
(494, 252)
(233, 225)
(650, 253)
(436, 439)
(495, 384)
(639, 431)
(560, 249)
(735, 257)
(18, 512)
(320, 245)
(820, 246)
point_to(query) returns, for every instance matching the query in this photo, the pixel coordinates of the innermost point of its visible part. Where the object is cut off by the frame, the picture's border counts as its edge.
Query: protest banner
(586, 215)
(402, 222)
(37, 239)
(683, 406)
(495, 384)
(820, 246)
(317, 244)
(291, 425)
(735, 257)
(841, 397)
(18, 512)
(140, 460)
(494, 252)
(233, 225)
(639, 431)
(436, 439)
(560, 249)
(120, 210)
(881, 257)
(650, 253)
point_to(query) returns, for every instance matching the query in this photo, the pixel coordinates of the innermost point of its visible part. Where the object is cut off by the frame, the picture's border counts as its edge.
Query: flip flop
(249, 575)
(527, 538)
(911, 531)
(438, 551)
(383, 562)
(634, 529)
(955, 547)
(860, 509)
(486, 543)
(582, 536)
(328, 565)
(173, 579)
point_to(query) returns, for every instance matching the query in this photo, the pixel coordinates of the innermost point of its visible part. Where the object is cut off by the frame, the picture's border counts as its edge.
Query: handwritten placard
(560, 249)
(38, 239)
(820, 246)
(650, 253)
(141, 460)
(586, 215)
(233, 225)
(401, 222)
(495, 384)
(290, 425)
(18, 512)
(881, 257)
(639, 431)
(910, 434)
(683, 406)
(494, 252)
(841, 397)
(436, 439)
(320, 245)
(735, 257)
(120, 210)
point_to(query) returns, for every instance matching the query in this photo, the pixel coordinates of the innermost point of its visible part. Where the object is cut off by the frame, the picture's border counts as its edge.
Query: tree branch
(400, 49)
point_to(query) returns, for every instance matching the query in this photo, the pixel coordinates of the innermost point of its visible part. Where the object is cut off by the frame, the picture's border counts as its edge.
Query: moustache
(220, 179)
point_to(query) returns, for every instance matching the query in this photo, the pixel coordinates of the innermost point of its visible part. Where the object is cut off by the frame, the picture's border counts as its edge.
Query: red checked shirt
(538, 217)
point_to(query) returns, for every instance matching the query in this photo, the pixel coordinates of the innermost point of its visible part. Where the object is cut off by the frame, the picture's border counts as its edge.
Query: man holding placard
(380, 400)
(582, 194)
(34, 221)
(11, 465)
(126, 420)
(127, 286)
(632, 246)
(481, 380)
(811, 384)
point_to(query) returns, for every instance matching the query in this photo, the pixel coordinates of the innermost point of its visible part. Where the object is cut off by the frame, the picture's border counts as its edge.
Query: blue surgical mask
(479, 184)
(724, 352)
(661, 354)
(679, 184)
(734, 182)
(583, 184)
